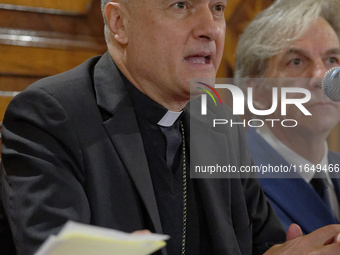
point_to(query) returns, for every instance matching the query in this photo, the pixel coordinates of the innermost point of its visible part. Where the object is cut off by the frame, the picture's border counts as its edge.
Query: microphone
(331, 84)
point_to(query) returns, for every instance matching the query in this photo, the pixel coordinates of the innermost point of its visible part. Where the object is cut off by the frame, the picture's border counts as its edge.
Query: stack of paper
(76, 238)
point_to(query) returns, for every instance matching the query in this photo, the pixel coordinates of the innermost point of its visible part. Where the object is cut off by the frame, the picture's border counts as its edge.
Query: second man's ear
(115, 16)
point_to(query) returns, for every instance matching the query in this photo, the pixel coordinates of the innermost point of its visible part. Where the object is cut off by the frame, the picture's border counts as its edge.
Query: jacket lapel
(122, 128)
(293, 196)
(206, 145)
(334, 160)
(299, 202)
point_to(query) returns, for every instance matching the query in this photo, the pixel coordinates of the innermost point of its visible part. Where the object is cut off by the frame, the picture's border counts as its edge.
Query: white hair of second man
(275, 28)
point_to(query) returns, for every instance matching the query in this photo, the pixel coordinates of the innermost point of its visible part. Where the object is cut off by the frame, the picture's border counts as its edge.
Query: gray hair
(275, 28)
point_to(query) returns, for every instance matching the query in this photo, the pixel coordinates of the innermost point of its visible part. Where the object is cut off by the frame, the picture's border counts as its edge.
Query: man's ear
(115, 15)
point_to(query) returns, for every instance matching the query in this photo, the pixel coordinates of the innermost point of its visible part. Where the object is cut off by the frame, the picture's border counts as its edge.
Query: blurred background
(39, 38)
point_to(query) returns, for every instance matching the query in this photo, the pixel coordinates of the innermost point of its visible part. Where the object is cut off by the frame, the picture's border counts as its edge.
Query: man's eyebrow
(296, 51)
(333, 51)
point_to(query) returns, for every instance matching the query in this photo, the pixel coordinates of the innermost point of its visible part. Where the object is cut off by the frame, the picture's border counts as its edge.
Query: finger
(323, 235)
(337, 239)
(141, 232)
(329, 249)
(293, 232)
(334, 239)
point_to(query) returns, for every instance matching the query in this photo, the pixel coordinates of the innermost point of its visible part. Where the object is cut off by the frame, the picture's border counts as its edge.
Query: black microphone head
(331, 84)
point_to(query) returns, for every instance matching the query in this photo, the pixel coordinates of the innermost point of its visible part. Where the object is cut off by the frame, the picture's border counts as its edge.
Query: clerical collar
(169, 118)
(150, 110)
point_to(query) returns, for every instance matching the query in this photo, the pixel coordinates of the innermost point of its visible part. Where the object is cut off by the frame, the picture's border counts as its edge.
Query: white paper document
(77, 238)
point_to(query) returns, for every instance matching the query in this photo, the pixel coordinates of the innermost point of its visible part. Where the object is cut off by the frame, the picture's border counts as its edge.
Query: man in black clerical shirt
(107, 143)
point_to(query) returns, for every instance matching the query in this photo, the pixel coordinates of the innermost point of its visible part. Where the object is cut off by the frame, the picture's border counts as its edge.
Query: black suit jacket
(72, 150)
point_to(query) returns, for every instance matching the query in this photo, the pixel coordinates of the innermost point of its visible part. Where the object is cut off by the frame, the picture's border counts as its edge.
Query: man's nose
(206, 27)
(319, 69)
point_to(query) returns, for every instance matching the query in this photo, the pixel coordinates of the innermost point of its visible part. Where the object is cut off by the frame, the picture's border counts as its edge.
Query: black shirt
(168, 183)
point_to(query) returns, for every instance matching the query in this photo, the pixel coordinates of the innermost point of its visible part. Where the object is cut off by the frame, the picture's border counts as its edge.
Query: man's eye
(220, 8)
(296, 61)
(181, 5)
(333, 60)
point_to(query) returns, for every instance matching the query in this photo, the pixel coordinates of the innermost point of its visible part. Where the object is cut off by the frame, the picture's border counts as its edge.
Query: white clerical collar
(169, 118)
(290, 156)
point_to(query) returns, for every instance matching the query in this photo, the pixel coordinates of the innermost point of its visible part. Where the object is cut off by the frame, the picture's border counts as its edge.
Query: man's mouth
(199, 59)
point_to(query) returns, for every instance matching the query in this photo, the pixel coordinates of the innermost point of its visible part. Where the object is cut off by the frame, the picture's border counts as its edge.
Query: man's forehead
(294, 50)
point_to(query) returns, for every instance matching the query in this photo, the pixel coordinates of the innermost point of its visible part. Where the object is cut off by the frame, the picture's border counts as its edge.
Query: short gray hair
(103, 4)
(275, 28)
(106, 30)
